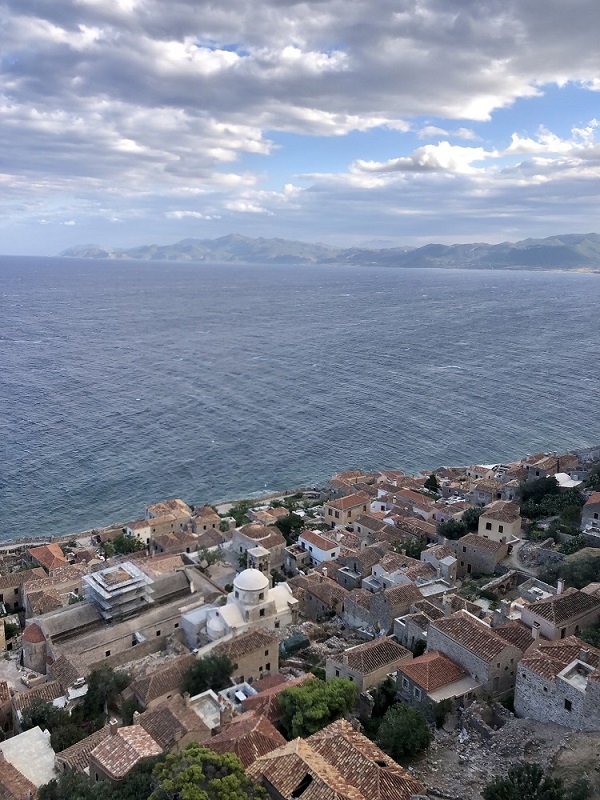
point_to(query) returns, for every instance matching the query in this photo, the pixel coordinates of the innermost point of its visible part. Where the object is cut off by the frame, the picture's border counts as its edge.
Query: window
(546, 689)
(500, 528)
(405, 683)
(337, 514)
(332, 555)
(464, 549)
(261, 613)
(349, 514)
(268, 666)
(261, 596)
(337, 673)
(568, 705)
(488, 526)
(107, 653)
(158, 633)
(417, 693)
(176, 625)
(563, 632)
(237, 594)
(266, 652)
(330, 512)
(309, 549)
(277, 624)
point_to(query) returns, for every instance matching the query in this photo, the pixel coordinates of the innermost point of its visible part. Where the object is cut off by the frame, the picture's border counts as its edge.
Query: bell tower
(259, 558)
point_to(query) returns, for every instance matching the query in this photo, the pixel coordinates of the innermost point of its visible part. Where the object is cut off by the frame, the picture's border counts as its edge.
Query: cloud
(442, 157)
(119, 111)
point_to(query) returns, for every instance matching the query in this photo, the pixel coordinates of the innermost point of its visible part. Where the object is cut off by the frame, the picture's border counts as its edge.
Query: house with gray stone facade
(590, 513)
(432, 678)
(368, 664)
(481, 651)
(559, 682)
(477, 555)
(564, 614)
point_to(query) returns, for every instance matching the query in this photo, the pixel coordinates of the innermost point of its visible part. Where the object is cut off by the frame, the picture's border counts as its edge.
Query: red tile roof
(567, 605)
(375, 655)
(432, 670)
(249, 736)
(119, 753)
(472, 634)
(49, 556)
(350, 501)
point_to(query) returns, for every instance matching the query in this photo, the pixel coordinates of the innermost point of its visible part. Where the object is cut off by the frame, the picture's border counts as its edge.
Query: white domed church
(253, 603)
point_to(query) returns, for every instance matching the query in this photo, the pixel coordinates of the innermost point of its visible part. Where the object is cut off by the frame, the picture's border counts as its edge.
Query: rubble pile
(461, 762)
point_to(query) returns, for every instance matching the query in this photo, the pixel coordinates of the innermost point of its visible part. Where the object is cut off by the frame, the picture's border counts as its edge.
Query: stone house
(174, 542)
(173, 724)
(486, 491)
(378, 610)
(163, 683)
(368, 526)
(361, 562)
(501, 521)
(367, 664)
(77, 757)
(11, 586)
(443, 560)
(254, 534)
(180, 510)
(355, 611)
(559, 682)
(477, 555)
(412, 627)
(432, 678)
(337, 763)
(119, 753)
(249, 736)
(564, 614)
(344, 510)
(205, 519)
(481, 651)
(48, 556)
(318, 595)
(253, 654)
(590, 513)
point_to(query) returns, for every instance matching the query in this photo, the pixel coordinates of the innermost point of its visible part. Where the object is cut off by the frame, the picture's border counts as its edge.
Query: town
(384, 636)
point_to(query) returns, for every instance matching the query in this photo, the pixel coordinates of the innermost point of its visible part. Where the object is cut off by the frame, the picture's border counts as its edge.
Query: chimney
(535, 632)
(583, 655)
(186, 699)
(324, 571)
(114, 726)
(446, 605)
(136, 716)
(560, 586)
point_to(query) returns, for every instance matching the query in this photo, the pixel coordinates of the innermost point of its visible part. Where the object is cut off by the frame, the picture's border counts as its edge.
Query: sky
(349, 122)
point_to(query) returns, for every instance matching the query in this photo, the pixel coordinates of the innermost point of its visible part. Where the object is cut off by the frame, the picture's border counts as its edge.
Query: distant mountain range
(568, 251)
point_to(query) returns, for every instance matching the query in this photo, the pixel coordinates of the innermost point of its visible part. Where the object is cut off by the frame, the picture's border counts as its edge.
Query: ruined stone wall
(548, 700)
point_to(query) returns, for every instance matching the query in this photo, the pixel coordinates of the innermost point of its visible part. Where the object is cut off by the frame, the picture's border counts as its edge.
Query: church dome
(215, 628)
(251, 580)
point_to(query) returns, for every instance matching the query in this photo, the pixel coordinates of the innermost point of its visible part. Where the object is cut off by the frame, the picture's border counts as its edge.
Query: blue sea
(124, 383)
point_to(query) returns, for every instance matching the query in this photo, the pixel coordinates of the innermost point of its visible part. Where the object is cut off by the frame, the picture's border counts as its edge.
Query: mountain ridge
(564, 251)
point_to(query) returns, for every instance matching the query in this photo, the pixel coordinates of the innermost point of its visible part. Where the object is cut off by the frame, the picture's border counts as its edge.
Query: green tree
(471, 518)
(573, 545)
(537, 489)
(432, 483)
(104, 686)
(441, 711)
(70, 785)
(453, 529)
(419, 647)
(410, 549)
(403, 732)
(240, 512)
(313, 705)
(10, 629)
(124, 544)
(200, 774)
(44, 714)
(591, 635)
(524, 782)
(66, 735)
(211, 672)
(289, 526)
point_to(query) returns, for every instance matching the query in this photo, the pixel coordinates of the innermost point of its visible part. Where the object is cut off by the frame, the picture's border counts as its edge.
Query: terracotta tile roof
(473, 540)
(567, 605)
(269, 682)
(415, 497)
(176, 539)
(432, 670)
(33, 634)
(550, 658)
(171, 720)
(314, 538)
(503, 511)
(320, 586)
(48, 555)
(255, 531)
(440, 551)
(297, 763)
(249, 736)
(48, 692)
(371, 656)
(210, 538)
(274, 539)
(4, 692)
(593, 499)
(246, 643)
(403, 594)
(363, 765)
(43, 601)
(13, 784)
(176, 506)
(205, 513)
(361, 597)
(472, 634)
(267, 701)
(66, 670)
(14, 579)
(350, 501)
(515, 633)
(78, 755)
(162, 681)
(119, 753)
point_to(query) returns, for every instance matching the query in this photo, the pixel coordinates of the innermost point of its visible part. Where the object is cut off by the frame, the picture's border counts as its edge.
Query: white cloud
(442, 157)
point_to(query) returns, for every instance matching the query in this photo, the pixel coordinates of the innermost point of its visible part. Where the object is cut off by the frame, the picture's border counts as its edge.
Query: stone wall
(556, 700)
